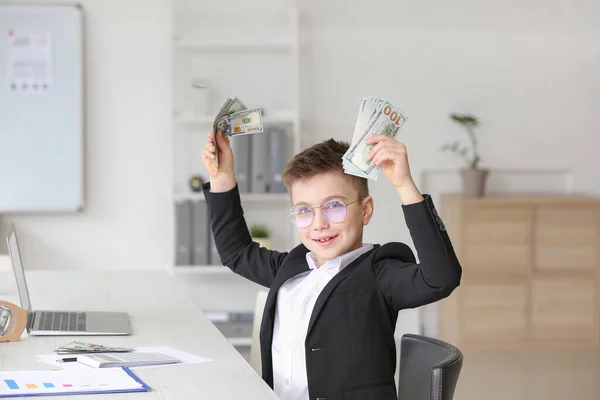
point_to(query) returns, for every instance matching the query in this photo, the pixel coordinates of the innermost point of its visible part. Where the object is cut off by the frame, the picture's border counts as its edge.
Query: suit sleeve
(233, 241)
(408, 284)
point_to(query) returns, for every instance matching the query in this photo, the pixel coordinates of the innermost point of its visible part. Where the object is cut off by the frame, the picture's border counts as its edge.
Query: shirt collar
(339, 262)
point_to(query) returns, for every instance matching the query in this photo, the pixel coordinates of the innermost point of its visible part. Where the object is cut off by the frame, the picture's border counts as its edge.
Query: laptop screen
(15, 256)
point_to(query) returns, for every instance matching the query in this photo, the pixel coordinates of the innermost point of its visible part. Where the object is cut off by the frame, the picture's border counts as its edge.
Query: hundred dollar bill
(386, 121)
(242, 122)
(231, 106)
(83, 347)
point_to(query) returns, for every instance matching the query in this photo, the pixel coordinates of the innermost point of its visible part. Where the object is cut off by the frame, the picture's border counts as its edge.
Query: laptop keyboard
(62, 321)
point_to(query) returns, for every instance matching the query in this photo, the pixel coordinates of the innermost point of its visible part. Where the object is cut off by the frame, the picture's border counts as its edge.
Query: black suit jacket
(350, 346)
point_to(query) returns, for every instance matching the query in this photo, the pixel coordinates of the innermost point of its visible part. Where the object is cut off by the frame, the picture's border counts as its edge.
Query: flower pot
(263, 242)
(473, 181)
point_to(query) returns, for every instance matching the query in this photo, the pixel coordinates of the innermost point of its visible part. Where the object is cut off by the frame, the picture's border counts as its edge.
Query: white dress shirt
(296, 299)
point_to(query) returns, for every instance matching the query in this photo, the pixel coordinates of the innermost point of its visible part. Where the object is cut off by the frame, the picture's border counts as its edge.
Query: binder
(277, 159)
(200, 233)
(183, 242)
(260, 162)
(241, 147)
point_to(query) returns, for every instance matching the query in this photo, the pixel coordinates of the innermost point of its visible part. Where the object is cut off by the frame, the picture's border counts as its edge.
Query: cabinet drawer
(494, 311)
(566, 238)
(498, 238)
(564, 307)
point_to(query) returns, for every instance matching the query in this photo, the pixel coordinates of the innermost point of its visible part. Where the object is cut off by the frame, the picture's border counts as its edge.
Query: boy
(328, 327)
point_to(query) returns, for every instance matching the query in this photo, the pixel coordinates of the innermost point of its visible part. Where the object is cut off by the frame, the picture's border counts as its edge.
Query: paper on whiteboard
(29, 67)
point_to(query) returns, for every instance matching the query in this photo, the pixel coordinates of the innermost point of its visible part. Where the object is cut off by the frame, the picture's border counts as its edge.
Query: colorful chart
(16, 383)
(13, 385)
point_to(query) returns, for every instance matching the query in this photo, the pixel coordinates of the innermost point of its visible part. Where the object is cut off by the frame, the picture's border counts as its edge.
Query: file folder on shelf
(183, 242)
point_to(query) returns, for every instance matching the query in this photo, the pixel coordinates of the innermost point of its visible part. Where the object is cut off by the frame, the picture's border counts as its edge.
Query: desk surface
(161, 314)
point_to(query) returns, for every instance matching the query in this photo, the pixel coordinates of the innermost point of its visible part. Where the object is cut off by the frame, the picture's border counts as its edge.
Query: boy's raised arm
(403, 282)
(232, 239)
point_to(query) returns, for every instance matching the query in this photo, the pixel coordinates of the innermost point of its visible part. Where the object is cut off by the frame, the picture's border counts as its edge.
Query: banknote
(242, 122)
(231, 105)
(83, 347)
(376, 117)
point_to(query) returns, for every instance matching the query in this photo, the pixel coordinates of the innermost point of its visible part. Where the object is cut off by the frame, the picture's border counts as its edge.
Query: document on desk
(48, 383)
(185, 357)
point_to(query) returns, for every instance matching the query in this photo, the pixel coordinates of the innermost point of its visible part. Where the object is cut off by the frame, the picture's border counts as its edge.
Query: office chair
(261, 299)
(429, 368)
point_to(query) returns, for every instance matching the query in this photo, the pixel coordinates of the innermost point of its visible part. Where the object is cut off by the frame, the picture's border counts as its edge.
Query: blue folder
(144, 388)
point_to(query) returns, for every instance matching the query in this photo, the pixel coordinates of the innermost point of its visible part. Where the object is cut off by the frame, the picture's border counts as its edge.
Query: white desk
(161, 314)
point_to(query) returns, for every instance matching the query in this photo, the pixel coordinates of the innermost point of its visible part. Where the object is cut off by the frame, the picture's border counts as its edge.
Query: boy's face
(327, 239)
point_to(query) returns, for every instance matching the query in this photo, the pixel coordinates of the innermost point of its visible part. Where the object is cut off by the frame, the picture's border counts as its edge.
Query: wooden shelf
(201, 269)
(283, 117)
(238, 45)
(248, 197)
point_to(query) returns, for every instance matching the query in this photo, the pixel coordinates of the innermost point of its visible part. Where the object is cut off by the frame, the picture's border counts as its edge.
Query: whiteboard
(41, 108)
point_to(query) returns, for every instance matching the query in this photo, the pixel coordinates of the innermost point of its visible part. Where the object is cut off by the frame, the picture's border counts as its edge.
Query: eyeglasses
(334, 210)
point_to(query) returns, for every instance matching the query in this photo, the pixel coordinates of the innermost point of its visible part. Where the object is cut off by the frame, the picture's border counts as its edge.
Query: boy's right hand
(222, 179)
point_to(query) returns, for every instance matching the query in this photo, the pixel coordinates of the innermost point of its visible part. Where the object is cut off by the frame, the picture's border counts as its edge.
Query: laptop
(57, 323)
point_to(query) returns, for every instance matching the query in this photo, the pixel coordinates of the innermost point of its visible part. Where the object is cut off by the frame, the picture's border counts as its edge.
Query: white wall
(527, 69)
(127, 218)
(529, 73)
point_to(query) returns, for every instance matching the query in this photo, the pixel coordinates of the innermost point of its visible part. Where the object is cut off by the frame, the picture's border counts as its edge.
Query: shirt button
(287, 382)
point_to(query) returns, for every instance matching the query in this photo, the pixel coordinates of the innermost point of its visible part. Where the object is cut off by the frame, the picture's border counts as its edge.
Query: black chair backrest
(429, 368)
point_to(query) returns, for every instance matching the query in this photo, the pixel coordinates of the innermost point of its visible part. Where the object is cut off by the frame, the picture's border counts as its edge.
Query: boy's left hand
(392, 156)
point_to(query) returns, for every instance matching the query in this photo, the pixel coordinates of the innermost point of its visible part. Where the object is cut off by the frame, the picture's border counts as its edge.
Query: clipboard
(53, 383)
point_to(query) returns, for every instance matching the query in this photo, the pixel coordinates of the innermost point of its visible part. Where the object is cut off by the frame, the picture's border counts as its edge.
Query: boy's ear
(367, 209)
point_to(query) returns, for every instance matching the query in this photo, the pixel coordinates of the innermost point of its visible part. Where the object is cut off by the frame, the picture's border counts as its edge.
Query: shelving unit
(259, 63)
(241, 45)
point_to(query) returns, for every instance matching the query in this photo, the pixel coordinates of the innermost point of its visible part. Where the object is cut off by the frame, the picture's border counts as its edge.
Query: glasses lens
(335, 211)
(301, 216)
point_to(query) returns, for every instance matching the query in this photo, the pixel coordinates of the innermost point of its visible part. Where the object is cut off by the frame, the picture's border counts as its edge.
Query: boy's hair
(322, 158)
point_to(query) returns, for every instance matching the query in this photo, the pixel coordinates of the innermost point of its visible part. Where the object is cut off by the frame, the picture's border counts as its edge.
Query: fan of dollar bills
(234, 118)
(76, 347)
(376, 116)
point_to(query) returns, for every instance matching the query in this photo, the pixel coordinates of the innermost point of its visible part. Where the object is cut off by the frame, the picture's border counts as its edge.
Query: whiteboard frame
(55, 201)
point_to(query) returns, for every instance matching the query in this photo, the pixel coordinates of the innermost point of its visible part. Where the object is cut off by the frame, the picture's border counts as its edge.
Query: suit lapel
(295, 266)
(328, 289)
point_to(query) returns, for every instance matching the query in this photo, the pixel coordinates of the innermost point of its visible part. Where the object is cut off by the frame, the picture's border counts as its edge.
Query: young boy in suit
(328, 326)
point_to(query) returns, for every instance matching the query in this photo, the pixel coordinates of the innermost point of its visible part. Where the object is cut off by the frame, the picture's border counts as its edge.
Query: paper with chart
(20, 383)
(29, 68)
(376, 116)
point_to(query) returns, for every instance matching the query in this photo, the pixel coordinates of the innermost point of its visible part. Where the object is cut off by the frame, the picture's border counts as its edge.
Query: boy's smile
(328, 239)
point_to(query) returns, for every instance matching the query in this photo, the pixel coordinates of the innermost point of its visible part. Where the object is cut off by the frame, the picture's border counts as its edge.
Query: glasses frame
(292, 215)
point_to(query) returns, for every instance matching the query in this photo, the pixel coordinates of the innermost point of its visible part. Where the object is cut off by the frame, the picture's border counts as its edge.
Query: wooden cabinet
(530, 271)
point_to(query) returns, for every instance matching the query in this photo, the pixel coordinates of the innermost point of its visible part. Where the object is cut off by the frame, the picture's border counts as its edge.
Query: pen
(68, 359)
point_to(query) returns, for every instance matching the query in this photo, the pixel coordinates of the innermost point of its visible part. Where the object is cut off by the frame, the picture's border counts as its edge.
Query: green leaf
(465, 119)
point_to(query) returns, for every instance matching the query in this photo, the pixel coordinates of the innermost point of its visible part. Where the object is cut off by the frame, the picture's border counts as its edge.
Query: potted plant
(260, 234)
(473, 177)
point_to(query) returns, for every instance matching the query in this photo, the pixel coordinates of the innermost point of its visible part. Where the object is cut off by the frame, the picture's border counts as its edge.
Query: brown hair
(322, 158)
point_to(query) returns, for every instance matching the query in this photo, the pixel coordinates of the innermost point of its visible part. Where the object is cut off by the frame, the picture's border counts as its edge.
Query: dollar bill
(83, 347)
(231, 106)
(376, 117)
(242, 122)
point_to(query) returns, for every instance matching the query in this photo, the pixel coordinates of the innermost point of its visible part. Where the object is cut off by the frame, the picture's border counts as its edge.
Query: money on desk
(234, 118)
(77, 347)
(376, 116)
